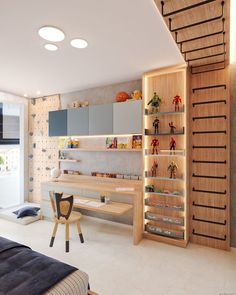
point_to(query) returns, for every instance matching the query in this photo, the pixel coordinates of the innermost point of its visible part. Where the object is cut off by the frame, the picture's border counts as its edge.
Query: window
(9, 124)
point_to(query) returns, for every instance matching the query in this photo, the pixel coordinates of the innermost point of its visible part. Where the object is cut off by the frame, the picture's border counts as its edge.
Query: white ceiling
(126, 38)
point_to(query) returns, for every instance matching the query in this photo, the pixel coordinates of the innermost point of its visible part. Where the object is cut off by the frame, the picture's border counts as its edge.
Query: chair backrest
(62, 206)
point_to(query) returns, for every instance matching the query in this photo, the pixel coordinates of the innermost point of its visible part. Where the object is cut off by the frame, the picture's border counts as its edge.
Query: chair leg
(53, 234)
(67, 237)
(80, 233)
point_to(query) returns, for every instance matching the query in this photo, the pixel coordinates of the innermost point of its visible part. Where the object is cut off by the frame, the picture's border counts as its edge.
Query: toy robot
(177, 101)
(155, 103)
(155, 124)
(155, 145)
(172, 127)
(172, 168)
(172, 145)
(154, 169)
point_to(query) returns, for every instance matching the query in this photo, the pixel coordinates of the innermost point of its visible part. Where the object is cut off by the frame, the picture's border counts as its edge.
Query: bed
(37, 274)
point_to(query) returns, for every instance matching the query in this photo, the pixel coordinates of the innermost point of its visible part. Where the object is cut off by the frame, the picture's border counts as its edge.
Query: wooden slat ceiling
(212, 9)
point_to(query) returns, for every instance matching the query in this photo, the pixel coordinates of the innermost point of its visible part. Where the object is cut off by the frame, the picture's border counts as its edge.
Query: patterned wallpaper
(43, 150)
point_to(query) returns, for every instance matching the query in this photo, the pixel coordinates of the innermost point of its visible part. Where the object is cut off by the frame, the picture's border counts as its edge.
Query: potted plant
(1, 162)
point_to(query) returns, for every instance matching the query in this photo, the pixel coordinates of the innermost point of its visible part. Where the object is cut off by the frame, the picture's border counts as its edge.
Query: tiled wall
(233, 155)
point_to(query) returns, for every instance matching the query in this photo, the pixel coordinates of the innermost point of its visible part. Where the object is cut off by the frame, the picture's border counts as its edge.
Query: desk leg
(138, 219)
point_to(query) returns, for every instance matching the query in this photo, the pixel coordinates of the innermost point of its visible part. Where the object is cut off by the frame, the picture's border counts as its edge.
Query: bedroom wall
(233, 155)
(43, 150)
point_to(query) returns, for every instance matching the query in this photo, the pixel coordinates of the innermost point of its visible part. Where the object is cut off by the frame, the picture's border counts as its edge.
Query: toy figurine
(172, 168)
(177, 101)
(155, 145)
(172, 144)
(155, 103)
(172, 127)
(154, 169)
(155, 124)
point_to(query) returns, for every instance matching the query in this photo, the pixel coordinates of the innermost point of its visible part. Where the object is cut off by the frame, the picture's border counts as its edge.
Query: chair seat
(74, 217)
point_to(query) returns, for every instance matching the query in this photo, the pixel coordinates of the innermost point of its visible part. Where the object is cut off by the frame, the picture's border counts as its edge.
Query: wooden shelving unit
(166, 214)
(100, 150)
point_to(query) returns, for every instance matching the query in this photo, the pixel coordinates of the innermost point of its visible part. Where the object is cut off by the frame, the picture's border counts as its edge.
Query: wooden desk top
(98, 184)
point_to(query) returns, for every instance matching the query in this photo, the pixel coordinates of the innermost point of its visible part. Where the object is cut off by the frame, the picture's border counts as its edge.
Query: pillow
(27, 211)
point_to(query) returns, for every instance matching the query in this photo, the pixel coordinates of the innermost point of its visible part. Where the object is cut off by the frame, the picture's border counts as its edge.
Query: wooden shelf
(100, 150)
(164, 195)
(165, 134)
(164, 113)
(164, 178)
(69, 160)
(113, 208)
(167, 240)
(166, 153)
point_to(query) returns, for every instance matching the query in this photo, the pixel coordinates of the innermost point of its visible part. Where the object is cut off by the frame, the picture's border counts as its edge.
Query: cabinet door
(127, 117)
(101, 119)
(58, 123)
(78, 121)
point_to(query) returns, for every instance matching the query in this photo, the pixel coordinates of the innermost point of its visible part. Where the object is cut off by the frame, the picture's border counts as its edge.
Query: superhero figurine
(177, 101)
(155, 145)
(172, 145)
(172, 127)
(154, 169)
(172, 168)
(155, 103)
(155, 124)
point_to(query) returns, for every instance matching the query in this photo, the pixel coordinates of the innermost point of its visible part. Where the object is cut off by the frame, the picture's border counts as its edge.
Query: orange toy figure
(177, 101)
(172, 145)
(172, 127)
(155, 145)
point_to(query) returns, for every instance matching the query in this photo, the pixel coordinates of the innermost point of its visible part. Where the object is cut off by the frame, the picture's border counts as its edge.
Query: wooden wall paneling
(206, 49)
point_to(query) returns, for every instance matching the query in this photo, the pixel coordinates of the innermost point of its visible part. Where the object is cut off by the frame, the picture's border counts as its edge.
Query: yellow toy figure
(136, 95)
(172, 168)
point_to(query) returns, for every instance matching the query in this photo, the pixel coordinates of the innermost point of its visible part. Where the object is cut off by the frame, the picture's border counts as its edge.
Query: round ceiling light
(51, 47)
(79, 43)
(52, 34)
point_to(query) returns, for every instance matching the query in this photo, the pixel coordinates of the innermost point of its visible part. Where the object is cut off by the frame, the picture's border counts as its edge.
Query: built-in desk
(80, 188)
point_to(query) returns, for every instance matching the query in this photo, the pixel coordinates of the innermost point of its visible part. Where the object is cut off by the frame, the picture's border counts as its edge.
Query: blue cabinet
(127, 117)
(101, 119)
(78, 121)
(58, 123)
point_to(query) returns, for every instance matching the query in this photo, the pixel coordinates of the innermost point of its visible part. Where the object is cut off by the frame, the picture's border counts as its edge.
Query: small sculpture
(172, 145)
(155, 124)
(172, 168)
(136, 95)
(155, 145)
(154, 169)
(155, 103)
(177, 101)
(172, 127)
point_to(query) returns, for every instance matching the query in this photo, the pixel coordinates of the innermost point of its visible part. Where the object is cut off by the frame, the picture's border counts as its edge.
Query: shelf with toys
(165, 159)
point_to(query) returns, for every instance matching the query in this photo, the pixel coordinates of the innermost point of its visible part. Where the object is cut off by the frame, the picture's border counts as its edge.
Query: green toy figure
(155, 103)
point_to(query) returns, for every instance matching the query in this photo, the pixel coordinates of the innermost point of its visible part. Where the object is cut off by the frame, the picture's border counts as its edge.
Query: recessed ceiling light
(25, 95)
(38, 92)
(52, 34)
(79, 43)
(51, 47)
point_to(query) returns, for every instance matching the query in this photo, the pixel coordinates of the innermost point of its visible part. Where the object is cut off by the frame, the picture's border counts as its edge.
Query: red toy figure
(172, 145)
(154, 169)
(177, 101)
(172, 127)
(155, 145)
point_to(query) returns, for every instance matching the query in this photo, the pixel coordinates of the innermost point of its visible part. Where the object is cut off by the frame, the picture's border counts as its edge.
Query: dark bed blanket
(26, 272)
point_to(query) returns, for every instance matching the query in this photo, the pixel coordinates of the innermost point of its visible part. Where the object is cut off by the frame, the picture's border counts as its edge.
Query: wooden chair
(62, 209)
